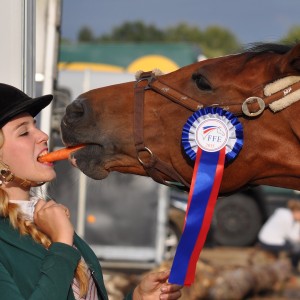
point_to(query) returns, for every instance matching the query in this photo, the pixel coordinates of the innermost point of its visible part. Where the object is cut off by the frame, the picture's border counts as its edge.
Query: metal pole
(162, 219)
(28, 41)
(51, 50)
(82, 178)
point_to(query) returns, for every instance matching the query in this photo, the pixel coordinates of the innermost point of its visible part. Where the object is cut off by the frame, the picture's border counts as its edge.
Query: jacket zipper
(97, 284)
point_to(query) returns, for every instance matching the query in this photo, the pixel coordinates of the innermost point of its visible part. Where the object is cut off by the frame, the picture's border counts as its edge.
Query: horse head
(136, 127)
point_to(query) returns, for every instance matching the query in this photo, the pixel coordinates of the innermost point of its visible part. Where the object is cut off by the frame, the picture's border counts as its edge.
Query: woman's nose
(43, 137)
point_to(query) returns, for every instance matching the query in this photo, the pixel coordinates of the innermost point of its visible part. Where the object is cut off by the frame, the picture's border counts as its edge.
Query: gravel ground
(222, 264)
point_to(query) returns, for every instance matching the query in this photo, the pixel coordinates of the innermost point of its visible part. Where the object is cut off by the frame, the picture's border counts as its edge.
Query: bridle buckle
(145, 76)
(252, 100)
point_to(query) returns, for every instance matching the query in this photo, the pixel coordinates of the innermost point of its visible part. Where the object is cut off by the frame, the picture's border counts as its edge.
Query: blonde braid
(26, 227)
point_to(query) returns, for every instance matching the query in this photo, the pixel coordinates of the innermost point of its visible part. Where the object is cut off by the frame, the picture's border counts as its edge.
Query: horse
(136, 127)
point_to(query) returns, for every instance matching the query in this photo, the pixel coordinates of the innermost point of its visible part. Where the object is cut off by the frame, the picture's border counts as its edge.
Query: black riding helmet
(14, 102)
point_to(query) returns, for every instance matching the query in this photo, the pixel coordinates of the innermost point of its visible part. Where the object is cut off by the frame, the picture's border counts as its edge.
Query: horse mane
(268, 47)
(256, 49)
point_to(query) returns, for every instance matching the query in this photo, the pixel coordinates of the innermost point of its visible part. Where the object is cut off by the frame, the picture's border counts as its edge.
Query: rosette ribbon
(211, 137)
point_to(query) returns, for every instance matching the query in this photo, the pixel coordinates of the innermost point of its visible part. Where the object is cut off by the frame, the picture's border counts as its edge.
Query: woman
(40, 255)
(281, 232)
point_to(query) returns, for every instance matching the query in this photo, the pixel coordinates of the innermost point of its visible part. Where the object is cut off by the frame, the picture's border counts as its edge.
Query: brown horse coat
(103, 118)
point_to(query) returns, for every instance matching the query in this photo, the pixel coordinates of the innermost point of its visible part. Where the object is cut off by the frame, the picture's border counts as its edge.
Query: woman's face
(296, 214)
(23, 143)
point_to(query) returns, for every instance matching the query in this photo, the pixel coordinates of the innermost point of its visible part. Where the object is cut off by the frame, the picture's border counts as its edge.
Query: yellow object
(150, 62)
(81, 66)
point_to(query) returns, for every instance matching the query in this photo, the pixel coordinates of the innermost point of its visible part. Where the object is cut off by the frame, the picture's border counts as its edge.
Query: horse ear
(291, 61)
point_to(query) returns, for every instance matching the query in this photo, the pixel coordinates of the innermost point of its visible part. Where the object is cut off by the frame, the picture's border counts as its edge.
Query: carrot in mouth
(59, 154)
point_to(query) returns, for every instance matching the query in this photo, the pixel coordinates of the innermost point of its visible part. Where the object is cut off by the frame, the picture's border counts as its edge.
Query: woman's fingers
(53, 219)
(170, 296)
(170, 291)
(171, 287)
(66, 210)
(42, 205)
(39, 204)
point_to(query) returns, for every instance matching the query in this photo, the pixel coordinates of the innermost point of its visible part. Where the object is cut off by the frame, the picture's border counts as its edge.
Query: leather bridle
(154, 167)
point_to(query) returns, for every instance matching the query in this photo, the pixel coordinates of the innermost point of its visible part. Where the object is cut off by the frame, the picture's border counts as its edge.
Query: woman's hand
(53, 219)
(155, 286)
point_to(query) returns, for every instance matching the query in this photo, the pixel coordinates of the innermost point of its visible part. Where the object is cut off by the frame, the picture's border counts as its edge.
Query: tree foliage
(214, 40)
(183, 33)
(293, 36)
(219, 41)
(133, 32)
(85, 34)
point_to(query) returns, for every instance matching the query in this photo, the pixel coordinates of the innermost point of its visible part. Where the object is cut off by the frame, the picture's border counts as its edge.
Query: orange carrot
(59, 154)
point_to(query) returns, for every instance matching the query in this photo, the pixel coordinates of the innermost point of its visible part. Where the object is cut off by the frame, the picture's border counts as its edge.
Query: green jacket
(29, 271)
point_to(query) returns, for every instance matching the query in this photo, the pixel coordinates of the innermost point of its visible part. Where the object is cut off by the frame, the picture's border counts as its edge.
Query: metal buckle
(148, 78)
(251, 100)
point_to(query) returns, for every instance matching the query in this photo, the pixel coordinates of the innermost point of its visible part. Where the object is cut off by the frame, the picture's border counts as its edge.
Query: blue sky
(250, 21)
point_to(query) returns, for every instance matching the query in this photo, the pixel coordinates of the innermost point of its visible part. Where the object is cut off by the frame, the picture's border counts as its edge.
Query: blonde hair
(26, 227)
(293, 204)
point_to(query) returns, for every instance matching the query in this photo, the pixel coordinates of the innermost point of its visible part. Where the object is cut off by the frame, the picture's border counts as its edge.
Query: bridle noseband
(154, 167)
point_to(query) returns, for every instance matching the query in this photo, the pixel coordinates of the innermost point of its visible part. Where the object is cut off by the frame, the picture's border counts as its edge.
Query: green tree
(134, 32)
(85, 34)
(218, 41)
(214, 41)
(293, 36)
(184, 33)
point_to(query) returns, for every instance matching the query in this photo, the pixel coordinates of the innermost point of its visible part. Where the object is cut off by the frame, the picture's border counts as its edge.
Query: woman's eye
(201, 82)
(24, 133)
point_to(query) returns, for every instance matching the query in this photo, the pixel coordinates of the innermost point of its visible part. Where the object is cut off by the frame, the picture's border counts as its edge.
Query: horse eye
(201, 82)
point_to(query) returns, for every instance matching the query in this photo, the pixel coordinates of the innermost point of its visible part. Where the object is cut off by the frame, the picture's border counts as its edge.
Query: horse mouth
(89, 161)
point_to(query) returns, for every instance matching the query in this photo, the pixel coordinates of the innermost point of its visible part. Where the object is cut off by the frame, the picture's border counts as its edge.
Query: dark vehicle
(237, 218)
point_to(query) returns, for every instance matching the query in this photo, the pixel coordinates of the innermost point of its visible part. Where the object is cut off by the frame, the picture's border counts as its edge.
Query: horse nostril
(75, 110)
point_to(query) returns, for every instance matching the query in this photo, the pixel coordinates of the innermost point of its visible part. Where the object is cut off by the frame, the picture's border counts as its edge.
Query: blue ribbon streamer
(202, 190)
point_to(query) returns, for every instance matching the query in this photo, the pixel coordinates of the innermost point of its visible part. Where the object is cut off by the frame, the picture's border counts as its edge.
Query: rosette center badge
(212, 129)
(211, 135)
